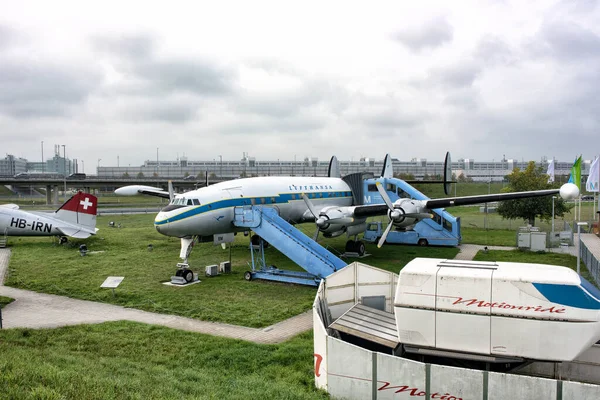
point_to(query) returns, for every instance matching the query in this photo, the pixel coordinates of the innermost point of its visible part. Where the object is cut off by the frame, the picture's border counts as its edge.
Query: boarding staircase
(304, 251)
(4, 239)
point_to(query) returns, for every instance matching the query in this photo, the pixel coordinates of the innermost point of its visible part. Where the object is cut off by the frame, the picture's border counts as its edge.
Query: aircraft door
(463, 309)
(4, 223)
(232, 193)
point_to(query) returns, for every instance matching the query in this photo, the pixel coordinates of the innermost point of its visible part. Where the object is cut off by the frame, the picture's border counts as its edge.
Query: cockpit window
(196, 202)
(189, 202)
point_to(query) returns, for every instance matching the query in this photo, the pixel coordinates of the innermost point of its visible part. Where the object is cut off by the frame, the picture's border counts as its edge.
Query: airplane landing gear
(184, 272)
(255, 239)
(355, 246)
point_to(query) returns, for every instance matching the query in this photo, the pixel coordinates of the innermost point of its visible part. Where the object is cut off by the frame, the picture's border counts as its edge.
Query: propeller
(314, 212)
(395, 214)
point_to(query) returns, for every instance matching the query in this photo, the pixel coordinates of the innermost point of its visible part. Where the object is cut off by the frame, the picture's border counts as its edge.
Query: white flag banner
(593, 179)
(550, 171)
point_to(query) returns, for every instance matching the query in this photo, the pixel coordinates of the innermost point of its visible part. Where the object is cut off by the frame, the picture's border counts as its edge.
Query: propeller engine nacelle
(407, 212)
(402, 213)
(334, 219)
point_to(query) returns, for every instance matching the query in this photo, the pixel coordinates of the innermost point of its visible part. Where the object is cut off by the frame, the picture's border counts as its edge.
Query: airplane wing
(10, 206)
(133, 190)
(413, 210)
(486, 198)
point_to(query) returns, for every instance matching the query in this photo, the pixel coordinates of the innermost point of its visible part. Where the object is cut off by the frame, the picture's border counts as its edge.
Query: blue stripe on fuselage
(571, 295)
(246, 201)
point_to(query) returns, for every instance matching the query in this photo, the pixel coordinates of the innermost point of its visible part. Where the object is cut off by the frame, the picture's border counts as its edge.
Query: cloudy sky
(287, 79)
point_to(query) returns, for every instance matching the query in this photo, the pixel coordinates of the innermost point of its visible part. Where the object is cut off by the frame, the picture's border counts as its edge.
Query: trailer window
(448, 226)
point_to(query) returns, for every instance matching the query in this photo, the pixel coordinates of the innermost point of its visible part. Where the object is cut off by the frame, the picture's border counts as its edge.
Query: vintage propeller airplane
(328, 201)
(76, 218)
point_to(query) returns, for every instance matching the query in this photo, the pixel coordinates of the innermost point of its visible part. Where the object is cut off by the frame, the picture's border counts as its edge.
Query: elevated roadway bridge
(53, 185)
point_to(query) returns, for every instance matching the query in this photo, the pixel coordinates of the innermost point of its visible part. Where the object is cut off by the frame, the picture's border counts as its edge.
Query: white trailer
(382, 335)
(529, 311)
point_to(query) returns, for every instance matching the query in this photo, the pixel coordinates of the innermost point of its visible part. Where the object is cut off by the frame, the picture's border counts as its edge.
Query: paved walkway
(38, 310)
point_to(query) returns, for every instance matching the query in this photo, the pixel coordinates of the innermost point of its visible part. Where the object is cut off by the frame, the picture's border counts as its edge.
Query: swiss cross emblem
(86, 203)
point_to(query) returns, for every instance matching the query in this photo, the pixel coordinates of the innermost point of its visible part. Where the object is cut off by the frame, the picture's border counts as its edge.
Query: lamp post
(65, 166)
(579, 225)
(553, 198)
(220, 166)
(98, 170)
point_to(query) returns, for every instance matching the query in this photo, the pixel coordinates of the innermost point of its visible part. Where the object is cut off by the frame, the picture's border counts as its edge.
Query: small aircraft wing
(75, 232)
(10, 206)
(133, 190)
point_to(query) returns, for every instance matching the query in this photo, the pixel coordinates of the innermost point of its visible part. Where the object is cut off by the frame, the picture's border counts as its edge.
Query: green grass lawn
(5, 300)
(36, 264)
(126, 360)
(488, 237)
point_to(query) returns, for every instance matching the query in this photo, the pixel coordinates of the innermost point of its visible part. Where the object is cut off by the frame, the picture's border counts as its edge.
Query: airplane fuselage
(22, 223)
(210, 210)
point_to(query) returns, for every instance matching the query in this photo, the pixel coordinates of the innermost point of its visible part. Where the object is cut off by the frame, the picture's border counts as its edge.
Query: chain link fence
(590, 261)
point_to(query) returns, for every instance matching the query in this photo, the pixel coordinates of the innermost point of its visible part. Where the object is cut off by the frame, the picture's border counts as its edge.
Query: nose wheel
(183, 275)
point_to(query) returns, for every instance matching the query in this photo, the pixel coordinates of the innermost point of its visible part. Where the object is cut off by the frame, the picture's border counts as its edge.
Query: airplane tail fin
(334, 168)
(447, 173)
(388, 170)
(81, 209)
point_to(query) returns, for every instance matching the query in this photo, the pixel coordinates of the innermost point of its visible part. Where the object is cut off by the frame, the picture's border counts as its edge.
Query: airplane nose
(159, 223)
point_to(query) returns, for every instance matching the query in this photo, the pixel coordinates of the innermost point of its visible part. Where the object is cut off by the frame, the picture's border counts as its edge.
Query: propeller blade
(171, 192)
(316, 235)
(384, 195)
(310, 206)
(384, 236)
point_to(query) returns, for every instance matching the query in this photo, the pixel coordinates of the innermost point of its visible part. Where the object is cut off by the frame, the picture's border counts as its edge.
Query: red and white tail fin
(80, 209)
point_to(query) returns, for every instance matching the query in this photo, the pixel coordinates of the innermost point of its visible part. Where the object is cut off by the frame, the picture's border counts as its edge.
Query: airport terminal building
(482, 171)
(417, 168)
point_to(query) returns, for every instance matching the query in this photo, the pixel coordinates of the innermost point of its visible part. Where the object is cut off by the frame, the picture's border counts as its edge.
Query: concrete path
(468, 251)
(38, 310)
